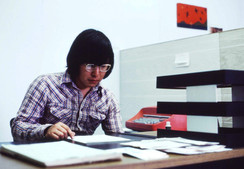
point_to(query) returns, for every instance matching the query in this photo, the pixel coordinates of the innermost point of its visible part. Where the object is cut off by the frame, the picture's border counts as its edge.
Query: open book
(58, 153)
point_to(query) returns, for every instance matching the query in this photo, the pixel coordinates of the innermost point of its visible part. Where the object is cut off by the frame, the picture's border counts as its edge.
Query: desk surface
(133, 163)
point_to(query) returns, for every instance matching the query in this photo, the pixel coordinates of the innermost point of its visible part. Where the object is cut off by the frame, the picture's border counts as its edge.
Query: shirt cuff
(40, 131)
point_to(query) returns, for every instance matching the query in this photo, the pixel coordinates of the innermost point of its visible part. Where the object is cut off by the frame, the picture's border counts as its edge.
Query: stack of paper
(178, 145)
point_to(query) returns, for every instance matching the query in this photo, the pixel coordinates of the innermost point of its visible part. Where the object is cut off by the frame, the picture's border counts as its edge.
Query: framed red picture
(190, 16)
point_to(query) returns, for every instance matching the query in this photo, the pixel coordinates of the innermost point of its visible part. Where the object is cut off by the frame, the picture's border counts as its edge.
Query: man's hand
(59, 131)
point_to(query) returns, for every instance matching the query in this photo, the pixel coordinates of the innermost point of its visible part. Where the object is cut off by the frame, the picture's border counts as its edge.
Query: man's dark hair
(90, 46)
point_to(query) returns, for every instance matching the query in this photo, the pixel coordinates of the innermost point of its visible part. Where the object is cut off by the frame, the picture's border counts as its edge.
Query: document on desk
(197, 149)
(146, 155)
(58, 153)
(100, 138)
(187, 141)
(154, 144)
(178, 145)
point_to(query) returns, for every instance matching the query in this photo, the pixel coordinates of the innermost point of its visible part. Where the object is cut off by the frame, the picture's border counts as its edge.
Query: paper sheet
(154, 144)
(99, 139)
(197, 149)
(187, 141)
(146, 155)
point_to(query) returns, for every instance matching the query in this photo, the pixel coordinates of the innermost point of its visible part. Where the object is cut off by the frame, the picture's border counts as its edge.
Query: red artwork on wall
(190, 16)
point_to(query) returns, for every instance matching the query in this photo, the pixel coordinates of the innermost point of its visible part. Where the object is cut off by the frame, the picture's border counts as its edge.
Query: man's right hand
(59, 131)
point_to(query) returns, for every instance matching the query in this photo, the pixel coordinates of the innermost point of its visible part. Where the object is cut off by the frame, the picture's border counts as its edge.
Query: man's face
(88, 79)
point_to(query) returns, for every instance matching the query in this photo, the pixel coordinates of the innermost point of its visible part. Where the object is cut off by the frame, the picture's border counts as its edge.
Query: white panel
(205, 93)
(203, 124)
(182, 60)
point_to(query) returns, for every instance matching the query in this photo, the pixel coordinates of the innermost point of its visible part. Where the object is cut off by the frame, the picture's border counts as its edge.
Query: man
(64, 104)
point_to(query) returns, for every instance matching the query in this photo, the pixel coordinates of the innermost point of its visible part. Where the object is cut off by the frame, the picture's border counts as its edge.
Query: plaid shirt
(55, 98)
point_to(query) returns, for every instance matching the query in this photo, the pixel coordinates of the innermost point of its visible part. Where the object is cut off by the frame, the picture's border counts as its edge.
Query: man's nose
(96, 71)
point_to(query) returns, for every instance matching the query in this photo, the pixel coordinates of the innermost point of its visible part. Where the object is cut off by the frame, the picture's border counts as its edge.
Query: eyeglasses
(102, 68)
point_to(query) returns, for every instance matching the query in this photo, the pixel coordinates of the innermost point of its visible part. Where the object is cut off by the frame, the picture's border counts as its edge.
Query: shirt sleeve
(113, 121)
(27, 125)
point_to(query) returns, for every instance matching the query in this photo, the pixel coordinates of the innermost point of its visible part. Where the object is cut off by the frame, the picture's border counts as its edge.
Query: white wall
(35, 36)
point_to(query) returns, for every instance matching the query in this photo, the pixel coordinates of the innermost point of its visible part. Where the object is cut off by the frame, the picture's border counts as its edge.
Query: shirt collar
(66, 79)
